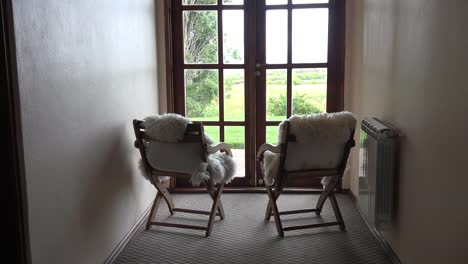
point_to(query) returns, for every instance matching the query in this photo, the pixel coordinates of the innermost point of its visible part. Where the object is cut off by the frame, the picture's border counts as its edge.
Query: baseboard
(127, 237)
(383, 243)
(290, 190)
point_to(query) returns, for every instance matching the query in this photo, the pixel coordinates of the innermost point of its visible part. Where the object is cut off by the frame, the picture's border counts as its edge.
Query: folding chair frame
(275, 191)
(194, 133)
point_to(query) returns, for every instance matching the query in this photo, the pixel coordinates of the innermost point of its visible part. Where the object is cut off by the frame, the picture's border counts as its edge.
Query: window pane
(212, 132)
(233, 36)
(309, 35)
(276, 101)
(233, 2)
(234, 99)
(309, 1)
(201, 95)
(199, 2)
(272, 135)
(276, 36)
(235, 138)
(309, 91)
(200, 36)
(276, 2)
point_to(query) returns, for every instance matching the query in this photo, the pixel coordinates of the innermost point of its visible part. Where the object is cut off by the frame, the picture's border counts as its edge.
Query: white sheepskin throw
(220, 167)
(321, 128)
(271, 163)
(166, 152)
(166, 127)
(320, 140)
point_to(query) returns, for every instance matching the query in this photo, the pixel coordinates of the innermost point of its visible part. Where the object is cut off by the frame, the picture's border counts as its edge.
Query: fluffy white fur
(324, 128)
(171, 128)
(271, 163)
(166, 127)
(219, 167)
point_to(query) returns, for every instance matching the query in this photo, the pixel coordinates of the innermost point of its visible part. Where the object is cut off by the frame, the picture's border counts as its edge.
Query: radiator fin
(377, 171)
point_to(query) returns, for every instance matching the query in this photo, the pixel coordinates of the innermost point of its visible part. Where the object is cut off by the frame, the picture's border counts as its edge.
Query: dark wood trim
(295, 65)
(219, 66)
(169, 56)
(211, 7)
(272, 123)
(289, 69)
(336, 56)
(341, 49)
(311, 190)
(223, 123)
(250, 95)
(131, 233)
(260, 79)
(221, 71)
(14, 180)
(289, 102)
(291, 5)
(380, 238)
(178, 56)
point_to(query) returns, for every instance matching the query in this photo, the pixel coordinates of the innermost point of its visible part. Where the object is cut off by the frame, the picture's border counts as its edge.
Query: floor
(245, 237)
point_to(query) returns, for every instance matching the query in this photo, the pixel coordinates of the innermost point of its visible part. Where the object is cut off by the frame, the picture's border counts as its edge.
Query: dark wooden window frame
(256, 100)
(174, 31)
(334, 65)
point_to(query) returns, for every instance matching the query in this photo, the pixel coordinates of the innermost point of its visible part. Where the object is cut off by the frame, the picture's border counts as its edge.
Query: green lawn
(234, 111)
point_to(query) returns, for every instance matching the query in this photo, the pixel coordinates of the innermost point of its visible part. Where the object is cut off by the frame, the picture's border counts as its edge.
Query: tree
(301, 104)
(201, 46)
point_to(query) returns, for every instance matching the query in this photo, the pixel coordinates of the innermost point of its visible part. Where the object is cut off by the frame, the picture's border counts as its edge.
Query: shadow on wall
(112, 180)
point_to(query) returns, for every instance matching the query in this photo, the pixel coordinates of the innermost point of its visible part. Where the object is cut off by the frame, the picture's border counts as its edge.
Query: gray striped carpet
(245, 237)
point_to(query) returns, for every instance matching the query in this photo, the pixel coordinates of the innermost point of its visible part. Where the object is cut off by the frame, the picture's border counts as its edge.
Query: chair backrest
(184, 156)
(316, 141)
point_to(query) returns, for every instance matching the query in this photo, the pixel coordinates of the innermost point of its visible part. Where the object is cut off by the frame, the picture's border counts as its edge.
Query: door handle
(258, 69)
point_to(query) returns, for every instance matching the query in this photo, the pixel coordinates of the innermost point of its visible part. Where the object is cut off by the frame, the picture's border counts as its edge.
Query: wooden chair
(283, 174)
(194, 135)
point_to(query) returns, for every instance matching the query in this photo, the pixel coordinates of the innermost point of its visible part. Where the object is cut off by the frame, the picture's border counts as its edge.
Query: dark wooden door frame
(174, 31)
(334, 64)
(335, 97)
(17, 234)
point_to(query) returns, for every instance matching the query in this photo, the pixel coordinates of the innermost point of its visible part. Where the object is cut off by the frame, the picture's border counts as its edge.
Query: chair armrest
(269, 147)
(219, 147)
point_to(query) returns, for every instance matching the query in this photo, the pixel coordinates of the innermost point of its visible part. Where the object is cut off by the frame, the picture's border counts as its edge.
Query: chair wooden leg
(214, 209)
(323, 197)
(166, 195)
(336, 210)
(154, 209)
(269, 210)
(212, 190)
(275, 211)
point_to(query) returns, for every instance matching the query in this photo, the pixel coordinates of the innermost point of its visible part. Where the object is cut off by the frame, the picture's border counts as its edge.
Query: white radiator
(377, 171)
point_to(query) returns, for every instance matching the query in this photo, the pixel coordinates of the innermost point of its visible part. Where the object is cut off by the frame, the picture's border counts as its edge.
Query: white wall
(86, 69)
(407, 63)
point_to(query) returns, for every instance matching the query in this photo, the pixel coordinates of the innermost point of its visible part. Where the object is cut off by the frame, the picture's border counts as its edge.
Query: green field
(234, 110)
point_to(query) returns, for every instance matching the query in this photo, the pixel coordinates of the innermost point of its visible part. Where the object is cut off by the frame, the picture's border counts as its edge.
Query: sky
(309, 36)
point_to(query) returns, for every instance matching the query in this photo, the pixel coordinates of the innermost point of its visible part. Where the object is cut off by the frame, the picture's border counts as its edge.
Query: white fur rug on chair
(166, 131)
(322, 137)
